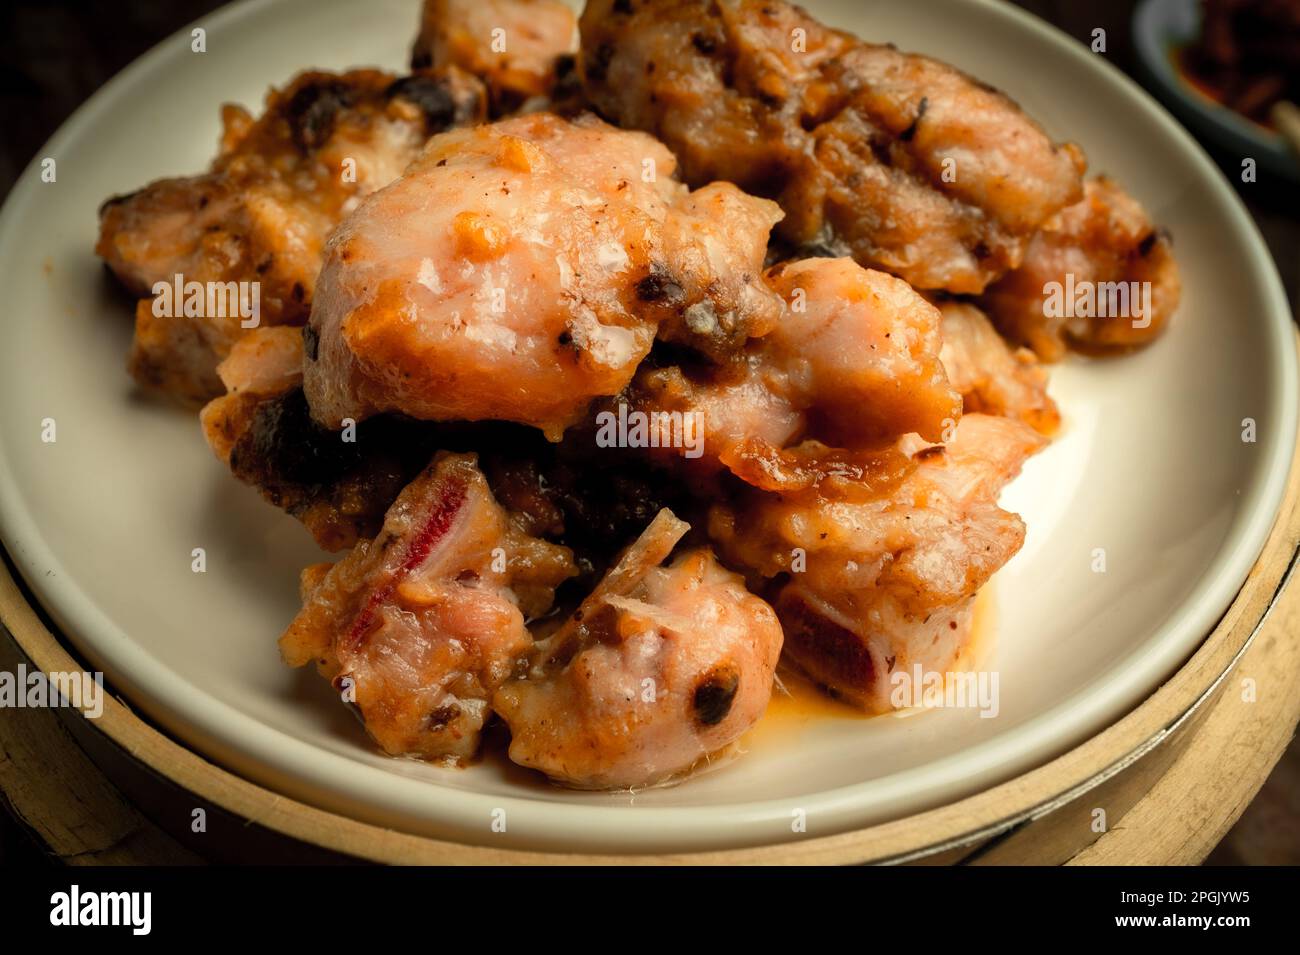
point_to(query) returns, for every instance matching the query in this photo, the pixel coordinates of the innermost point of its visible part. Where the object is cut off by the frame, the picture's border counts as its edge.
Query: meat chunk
(518, 270)
(930, 174)
(709, 294)
(862, 352)
(263, 365)
(262, 213)
(660, 668)
(991, 376)
(901, 161)
(593, 500)
(719, 83)
(853, 363)
(1099, 277)
(419, 626)
(701, 420)
(866, 580)
(338, 483)
(517, 47)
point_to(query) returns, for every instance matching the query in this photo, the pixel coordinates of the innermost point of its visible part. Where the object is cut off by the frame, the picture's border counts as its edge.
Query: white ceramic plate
(1151, 467)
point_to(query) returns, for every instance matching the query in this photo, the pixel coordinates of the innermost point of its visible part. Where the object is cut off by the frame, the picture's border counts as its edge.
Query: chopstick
(1286, 117)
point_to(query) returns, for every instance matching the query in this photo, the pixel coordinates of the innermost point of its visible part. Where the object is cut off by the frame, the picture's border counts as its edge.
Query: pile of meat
(630, 362)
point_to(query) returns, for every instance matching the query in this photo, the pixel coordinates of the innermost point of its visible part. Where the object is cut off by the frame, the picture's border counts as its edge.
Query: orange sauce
(978, 651)
(803, 703)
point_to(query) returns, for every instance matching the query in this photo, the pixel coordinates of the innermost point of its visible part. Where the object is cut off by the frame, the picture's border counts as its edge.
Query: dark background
(54, 55)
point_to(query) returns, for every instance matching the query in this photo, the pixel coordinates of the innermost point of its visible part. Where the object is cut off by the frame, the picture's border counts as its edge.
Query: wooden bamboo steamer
(1178, 770)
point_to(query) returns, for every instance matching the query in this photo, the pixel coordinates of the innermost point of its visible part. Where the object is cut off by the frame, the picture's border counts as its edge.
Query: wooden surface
(1172, 776)
(54, 789)
(1198, 799)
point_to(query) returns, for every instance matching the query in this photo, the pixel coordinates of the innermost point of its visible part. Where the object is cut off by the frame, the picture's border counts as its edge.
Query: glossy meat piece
(592, 500)
(897, 159)
(262, 428)
(992, 376)
(868, 583)
(660, 668)
(521, 269)
(726, 415)
(719, 83)
(862, 352)
(853, 363)
(277, 188)
(1101, 254)
(929, 174)
(516, 47)
(264, 364)
(419, 626)
(709, 293)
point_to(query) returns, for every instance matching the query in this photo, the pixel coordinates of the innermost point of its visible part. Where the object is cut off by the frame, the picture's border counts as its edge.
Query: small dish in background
(1161, 29)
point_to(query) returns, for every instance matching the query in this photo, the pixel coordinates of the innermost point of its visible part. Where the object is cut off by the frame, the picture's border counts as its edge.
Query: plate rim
(264, 752)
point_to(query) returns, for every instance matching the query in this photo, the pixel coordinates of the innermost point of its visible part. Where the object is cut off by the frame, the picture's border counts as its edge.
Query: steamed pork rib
(262, 213)
(991, 376)
(517, 47)
(901, 161)
(265, 364)
(593, 500)
(854, 361)
(418, 627)
(660, 667)
(869, 580)
(338, 486)
(863, 349)
(704, 420)
(964, 180)
(1099, 277)
(521, 269)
